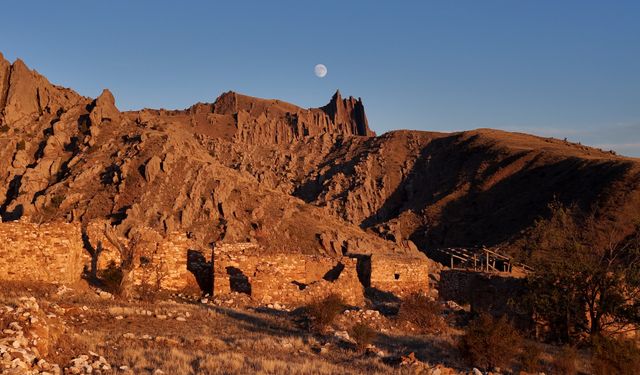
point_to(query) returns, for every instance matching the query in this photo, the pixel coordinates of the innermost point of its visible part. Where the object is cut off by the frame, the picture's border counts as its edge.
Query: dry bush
(363, 334)
(148, 291)
(615, 356)
(530, 357)
(566, 361)
(322, 313)
(489, 342)
(420, 311)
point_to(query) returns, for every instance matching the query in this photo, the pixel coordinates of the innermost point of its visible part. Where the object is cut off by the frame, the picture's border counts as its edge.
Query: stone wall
(292, 279)
(160, 260)
(59, 253)
(399, 274)
(47, 252)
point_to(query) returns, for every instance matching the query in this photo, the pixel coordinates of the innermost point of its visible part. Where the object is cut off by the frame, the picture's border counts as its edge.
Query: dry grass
(566, 361)
(212, 340)
(530, 357)
(615, 356)
(216, 340)
(363, 334)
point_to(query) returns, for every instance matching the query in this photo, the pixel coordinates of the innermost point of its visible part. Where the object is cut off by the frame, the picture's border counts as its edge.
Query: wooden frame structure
(480, 259)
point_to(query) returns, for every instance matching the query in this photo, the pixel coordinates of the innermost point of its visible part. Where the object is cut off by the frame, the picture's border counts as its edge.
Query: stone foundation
(45, 253)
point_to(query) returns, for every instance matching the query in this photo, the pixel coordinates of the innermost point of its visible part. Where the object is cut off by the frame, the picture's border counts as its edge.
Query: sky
(557, 68)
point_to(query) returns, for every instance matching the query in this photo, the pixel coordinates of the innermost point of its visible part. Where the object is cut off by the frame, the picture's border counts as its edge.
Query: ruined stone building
(64, 253)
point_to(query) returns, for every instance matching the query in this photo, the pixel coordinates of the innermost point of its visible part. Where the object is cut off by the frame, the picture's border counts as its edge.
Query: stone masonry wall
(292, 279)
(160, 259)
(399, 275)
(47, 252)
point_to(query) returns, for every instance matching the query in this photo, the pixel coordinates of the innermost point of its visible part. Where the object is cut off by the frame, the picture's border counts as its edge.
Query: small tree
(153, 274)
(584, 281)
(128, 254)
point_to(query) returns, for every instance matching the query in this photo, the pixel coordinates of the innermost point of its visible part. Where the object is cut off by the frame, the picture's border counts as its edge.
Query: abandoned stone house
(299, 278)
(63, 252)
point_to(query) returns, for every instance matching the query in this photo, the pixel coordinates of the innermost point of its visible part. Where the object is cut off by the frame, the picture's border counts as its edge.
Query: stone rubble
(24, 341)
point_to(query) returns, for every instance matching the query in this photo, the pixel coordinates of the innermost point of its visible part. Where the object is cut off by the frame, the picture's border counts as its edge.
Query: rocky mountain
(313, 180)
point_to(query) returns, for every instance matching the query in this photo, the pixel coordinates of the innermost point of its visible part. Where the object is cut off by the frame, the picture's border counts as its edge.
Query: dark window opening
(397, 276)
(238, 281)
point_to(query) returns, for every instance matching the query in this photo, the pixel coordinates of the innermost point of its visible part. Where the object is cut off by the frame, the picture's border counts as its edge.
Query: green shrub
(615, 356)
(565, 362)
(363, 334)
(322, 313)
(4, 129)
(489, 342)
(423, 313)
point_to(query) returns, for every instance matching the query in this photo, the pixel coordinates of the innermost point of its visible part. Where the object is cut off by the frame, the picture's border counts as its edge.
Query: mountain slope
(313, 180)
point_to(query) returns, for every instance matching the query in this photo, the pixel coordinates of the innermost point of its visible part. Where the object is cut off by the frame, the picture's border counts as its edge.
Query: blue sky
(550, 67)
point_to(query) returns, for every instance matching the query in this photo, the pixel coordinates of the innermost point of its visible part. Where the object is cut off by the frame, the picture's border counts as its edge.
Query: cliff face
(302, 180)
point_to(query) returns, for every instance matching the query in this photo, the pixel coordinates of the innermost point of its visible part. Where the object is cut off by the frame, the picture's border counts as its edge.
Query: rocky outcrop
(25, 95)
(265, 121)
(38, 134)
(104, 109)
(348, 115)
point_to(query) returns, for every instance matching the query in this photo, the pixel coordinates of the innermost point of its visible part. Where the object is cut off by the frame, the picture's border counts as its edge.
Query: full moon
(320, 70)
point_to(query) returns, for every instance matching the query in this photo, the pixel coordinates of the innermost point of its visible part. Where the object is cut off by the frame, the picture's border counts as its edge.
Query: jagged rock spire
(348, 112)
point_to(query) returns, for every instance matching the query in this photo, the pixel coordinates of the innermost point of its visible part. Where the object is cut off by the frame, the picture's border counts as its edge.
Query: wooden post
(486, 258)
